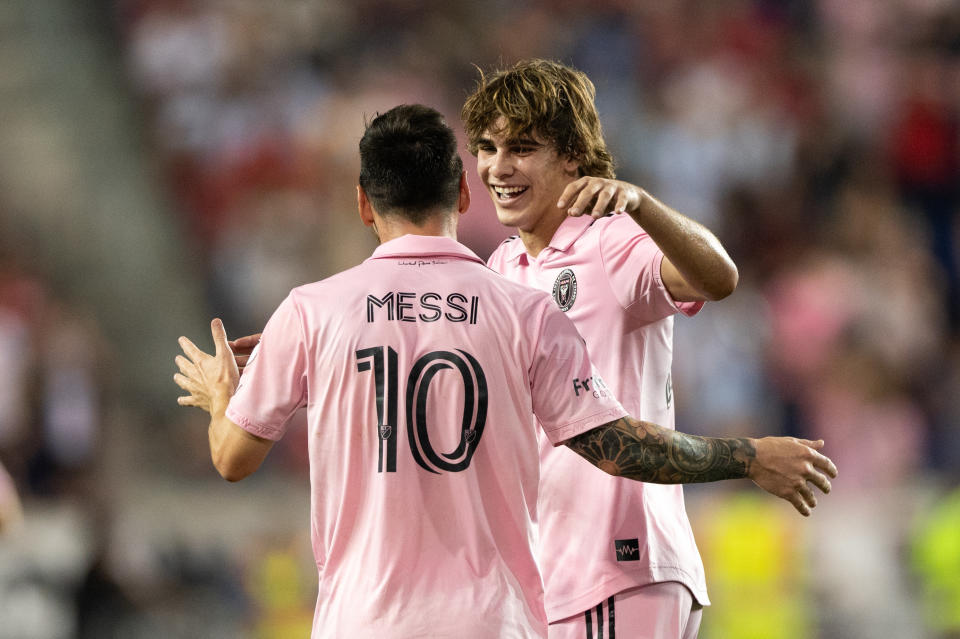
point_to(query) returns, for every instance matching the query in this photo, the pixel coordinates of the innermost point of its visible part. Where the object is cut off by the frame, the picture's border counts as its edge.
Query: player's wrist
(219, 398)
(748, 451)
(640, 212)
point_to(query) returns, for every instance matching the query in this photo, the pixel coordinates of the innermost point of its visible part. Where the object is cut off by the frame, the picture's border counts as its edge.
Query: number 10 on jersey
(383, 362)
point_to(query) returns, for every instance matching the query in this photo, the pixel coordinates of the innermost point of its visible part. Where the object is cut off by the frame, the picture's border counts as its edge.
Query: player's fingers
(816, 445)
(809, 498)
(820, 481)
(241, 360)
(584, 198)
(186, 383)
(571, 191)
(244, 345)
(186, 367)
(604, 196)
(824, 463)
(191, 350)
(799, 504)
(623, 199)
(187, 400)
(219, 338)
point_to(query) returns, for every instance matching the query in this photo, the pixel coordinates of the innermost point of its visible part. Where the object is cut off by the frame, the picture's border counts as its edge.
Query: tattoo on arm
(647, 452)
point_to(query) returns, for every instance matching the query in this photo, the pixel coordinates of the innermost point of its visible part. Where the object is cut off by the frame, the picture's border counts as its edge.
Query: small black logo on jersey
(627, 549)
(385, 431)
(565, 289)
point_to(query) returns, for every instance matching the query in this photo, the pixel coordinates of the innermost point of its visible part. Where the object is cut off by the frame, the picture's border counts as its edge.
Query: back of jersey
(421, 370)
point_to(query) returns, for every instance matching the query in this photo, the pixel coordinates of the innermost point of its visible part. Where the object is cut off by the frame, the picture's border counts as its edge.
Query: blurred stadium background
(164, 161)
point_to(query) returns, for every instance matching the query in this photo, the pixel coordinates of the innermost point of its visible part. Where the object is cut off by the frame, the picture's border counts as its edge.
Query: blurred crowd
(819, 140)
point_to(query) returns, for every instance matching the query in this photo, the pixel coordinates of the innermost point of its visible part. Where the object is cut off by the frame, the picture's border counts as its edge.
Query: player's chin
(508, 217)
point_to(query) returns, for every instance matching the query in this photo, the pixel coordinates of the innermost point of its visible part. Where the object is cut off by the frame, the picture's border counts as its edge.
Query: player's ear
(364, 207)
(463, 202)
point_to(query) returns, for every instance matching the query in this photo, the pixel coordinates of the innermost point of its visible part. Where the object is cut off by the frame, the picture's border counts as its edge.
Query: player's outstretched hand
(598, 196)
(242, 347)
(208, 378)
(787, 466)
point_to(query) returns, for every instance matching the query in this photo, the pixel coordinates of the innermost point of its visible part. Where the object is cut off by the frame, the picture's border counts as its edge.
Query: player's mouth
(509, 193)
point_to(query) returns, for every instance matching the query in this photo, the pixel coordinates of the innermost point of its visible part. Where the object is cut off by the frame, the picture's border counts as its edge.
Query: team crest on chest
(565, 289)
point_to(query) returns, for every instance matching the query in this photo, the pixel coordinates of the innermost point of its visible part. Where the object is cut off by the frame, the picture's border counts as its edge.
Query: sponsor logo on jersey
(599, 387)
(627, 549)
(565, 289)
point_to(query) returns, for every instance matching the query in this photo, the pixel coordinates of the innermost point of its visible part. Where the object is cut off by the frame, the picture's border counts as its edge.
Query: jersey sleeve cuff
(266, 432)
(560, 434)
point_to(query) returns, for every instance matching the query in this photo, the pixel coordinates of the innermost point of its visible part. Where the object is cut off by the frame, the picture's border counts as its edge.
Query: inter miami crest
(565, 289)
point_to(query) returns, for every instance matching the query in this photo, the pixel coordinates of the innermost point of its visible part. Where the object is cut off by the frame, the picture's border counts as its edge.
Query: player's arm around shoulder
(783, 466)
(695, 267)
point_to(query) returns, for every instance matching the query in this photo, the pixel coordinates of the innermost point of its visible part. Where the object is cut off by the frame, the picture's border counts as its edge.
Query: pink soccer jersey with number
(427, 378)
(600, 534)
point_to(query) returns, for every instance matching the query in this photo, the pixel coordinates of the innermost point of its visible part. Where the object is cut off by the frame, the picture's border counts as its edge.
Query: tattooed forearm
(647, 452)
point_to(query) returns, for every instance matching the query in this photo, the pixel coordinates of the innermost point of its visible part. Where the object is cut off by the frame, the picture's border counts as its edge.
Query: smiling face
(525, 177)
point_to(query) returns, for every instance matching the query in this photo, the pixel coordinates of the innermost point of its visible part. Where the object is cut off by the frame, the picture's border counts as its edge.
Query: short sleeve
(569, 396)
(631, 262)
(273, 384)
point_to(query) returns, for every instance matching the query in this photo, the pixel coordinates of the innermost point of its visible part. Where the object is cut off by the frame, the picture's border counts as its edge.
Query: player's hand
(210, 379)
(790, 468)
(597, 196)
(242, 347)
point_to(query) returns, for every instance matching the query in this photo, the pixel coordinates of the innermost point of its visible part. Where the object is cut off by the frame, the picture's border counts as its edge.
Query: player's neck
(391, 228)
(538, 237)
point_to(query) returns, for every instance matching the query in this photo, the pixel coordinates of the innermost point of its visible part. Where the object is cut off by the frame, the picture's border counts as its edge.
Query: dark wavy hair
(409, 164)
(541, 97)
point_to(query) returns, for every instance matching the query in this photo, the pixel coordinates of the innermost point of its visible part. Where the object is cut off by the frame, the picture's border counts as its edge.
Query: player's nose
(501, 164)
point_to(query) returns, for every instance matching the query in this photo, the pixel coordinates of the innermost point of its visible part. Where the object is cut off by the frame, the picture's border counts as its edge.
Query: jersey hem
(620, 583)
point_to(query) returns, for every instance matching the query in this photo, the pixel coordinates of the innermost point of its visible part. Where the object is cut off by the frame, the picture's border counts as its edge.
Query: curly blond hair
(543, 98)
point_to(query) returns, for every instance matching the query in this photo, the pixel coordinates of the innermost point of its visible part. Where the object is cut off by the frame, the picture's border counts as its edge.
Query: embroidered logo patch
(627, 549)
(565, 289)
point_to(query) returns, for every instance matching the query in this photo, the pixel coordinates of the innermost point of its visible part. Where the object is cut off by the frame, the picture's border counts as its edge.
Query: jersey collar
(563, 238)
(424, 246)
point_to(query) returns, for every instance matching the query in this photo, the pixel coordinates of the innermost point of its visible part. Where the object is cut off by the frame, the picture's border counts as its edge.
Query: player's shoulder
(335, 284)
(618, 231)
(509, 246)
(618, 222)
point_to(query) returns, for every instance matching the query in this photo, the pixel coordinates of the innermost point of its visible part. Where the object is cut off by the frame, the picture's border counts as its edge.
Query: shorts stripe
(610, 618)
(588, 621)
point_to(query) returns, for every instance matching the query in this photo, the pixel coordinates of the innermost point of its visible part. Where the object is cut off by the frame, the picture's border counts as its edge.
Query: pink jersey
(427, 378)
(600, 534)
